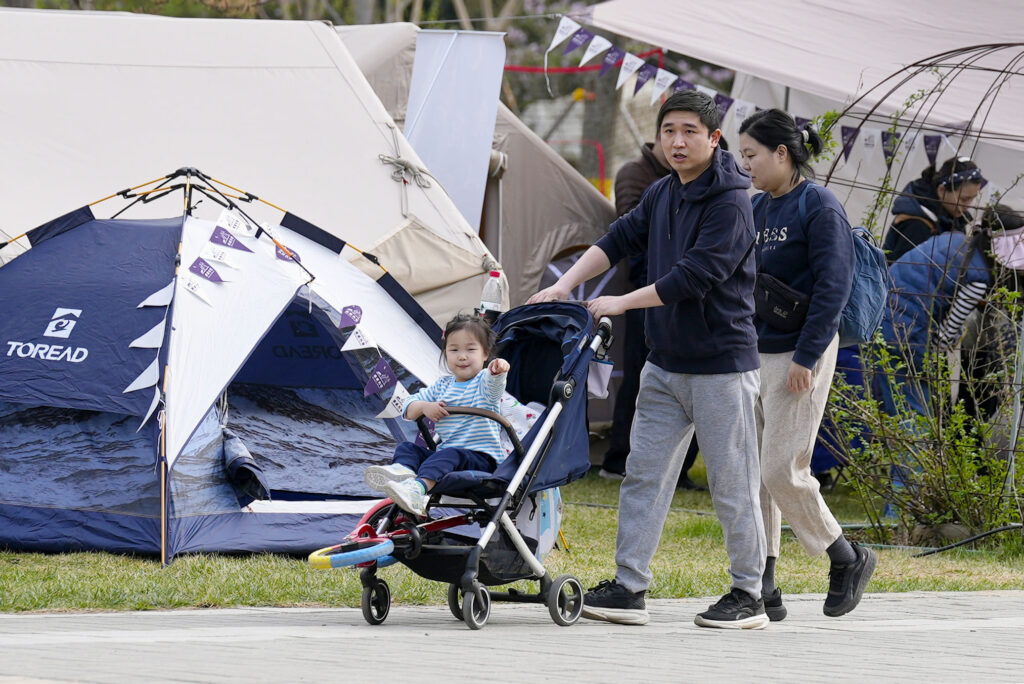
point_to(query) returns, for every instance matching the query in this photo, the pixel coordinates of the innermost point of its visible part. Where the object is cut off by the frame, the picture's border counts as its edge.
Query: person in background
(810, 252)
(695, 226)
(935, 203)
(631, 182)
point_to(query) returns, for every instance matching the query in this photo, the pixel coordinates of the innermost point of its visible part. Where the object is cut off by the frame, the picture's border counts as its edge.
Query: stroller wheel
(376, 602)
(476, 607)
(565, 600)
(455, 601)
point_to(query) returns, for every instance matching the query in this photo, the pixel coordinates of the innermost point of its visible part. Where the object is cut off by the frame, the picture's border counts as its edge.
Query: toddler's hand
(435, 410)
(498, 366)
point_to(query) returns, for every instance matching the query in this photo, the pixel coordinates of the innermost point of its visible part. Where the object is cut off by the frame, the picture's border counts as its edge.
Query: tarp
(546, 206)
(99, 100)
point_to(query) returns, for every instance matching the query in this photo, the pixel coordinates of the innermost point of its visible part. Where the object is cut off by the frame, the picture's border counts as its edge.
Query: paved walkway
(934, 637)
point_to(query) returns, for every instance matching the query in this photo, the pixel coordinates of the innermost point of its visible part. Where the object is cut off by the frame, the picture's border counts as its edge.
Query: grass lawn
(691, 561)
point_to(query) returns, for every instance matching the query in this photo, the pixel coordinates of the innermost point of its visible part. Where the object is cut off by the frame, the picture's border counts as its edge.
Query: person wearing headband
(935, 203)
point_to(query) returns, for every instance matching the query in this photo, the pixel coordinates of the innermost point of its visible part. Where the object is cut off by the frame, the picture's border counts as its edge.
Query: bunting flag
(148, 378)
(202, 268)
(350, 317)
(578, 39)
(931, 147)
(661, 83)
(615, 54)
(152, 407)
(224, 238)
(643, 75)
(596, 47)
(869, 139)
(682, 84)
(566, 28)
(723, 102)
(358, 339)
(381, 378)
(849, 134)
(212, 252)
(284, 256)
(801, 122)
(890, 142)
(741, 109)
(152, 339)
(162, 297)
(195, 286)
(395, 403)
(235, 223)
(630, 65)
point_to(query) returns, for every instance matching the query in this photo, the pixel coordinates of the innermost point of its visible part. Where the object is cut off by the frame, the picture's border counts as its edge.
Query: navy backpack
(863, 312)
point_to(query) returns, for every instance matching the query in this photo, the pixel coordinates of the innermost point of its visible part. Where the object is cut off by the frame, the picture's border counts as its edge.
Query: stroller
(549, 347)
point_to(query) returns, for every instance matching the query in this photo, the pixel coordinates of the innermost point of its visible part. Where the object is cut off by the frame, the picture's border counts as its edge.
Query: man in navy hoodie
(697, 228)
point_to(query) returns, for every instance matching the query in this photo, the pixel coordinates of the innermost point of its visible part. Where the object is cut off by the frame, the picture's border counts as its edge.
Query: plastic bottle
(491, 297)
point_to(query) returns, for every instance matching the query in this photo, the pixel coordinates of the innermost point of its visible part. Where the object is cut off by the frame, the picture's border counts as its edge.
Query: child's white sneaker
(378, 476)
(410, 496)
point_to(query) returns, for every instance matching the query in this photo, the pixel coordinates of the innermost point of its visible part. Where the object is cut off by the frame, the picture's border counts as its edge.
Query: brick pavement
(934, 637)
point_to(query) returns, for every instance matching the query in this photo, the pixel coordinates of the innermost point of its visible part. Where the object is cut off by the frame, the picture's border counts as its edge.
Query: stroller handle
(482, 413)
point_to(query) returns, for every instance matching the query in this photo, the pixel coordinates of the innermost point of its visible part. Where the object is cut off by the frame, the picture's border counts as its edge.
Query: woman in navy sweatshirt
(805, 271)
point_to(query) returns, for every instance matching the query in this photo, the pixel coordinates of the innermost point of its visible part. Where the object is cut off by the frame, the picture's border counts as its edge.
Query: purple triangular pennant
(801, 122)
(849, 137)
(202, 268)
(580, 38)
(350, 317)
(723, 102)
(611, 58)
(283, 256)
(682, 84)
(222, 236)
(643, 75)
(890, 141)
(931, 147)
(381, 378)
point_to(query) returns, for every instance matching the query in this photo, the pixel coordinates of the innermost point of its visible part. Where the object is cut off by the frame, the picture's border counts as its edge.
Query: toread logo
(62, 323)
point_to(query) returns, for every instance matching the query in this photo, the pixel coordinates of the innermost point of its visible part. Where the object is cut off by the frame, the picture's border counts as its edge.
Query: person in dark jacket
(631, 182)
(702, 372)
(935, 203)
(810, 250)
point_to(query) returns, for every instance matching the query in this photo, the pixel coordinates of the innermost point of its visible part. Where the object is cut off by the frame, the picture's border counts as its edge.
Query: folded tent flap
(245, 475)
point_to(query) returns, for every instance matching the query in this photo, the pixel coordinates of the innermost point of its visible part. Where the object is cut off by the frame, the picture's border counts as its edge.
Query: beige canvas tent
(542, 206)
(94, 101)
(812, 57)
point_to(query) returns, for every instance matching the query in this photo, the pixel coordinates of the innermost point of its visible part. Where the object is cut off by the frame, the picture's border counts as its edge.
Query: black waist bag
(779, 305)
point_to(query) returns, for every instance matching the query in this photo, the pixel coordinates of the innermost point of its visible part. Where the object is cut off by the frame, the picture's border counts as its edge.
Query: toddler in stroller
(549, 348)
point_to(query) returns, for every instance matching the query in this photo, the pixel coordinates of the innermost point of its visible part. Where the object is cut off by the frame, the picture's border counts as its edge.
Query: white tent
(95, 100)
(537, 207)
(813, 56)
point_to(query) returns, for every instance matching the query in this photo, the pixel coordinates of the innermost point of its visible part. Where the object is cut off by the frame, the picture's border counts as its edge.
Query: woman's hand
(554, 293)
(799, 378)
(498, 366)
(609, 305)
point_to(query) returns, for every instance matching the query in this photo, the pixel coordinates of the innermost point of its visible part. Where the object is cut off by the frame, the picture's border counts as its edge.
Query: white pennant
(566, 27)
(710, 92)
(870, 139)
(235, 223)
(394, 406)
(152, 339)
(161, 297)
(661, 83)
(596, 46)
(196, 286)
(630, 64)
(358, 339)
(149, 377)
(741, 109)
(212, 252)
(152, 407)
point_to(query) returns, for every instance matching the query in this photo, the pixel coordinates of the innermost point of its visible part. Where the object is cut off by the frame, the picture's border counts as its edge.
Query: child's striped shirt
(468, 432)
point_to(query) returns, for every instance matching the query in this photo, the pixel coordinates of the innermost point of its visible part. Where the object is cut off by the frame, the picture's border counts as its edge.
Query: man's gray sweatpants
(668, 409)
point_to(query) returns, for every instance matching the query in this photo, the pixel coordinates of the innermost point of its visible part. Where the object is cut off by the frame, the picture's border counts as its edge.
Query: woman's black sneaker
(612, 602)
(846, 583)
(735, 610)
(773, 606)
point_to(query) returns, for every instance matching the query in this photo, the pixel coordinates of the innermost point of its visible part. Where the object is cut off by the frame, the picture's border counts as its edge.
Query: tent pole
(163, 511)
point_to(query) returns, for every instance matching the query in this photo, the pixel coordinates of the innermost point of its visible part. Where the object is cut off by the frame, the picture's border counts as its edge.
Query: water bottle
(491, 298)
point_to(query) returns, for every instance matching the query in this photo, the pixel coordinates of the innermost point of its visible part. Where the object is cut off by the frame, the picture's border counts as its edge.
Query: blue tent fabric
(59, 225)
(69, 312)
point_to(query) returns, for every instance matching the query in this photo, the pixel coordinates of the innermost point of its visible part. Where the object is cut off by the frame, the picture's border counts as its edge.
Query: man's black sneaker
(688, 484)
(773, 606)
(735, 610)
(612, 602)
(846, 583)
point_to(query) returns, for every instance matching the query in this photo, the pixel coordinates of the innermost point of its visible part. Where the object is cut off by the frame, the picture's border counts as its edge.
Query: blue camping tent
(159, 377)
